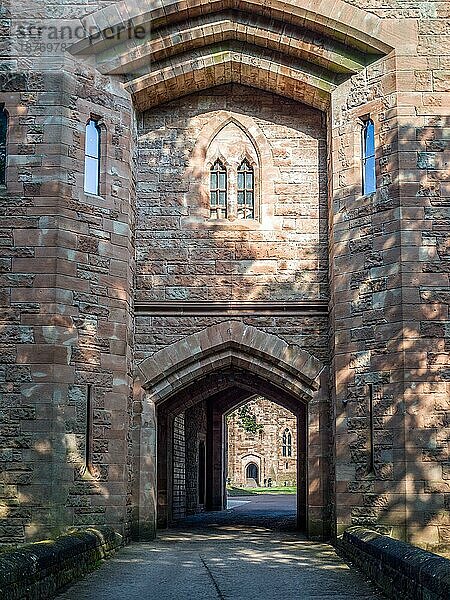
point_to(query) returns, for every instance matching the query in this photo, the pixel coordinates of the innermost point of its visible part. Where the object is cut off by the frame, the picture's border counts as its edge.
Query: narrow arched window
(218, 191)
(246, 191)
(92, 158)
(287, 443)
(368, 157)
(3, 143)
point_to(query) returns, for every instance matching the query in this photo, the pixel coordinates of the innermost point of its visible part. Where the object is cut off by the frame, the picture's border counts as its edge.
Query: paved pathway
(250, 552)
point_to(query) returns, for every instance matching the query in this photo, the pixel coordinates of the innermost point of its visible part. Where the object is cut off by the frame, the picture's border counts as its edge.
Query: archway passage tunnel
(192, 444)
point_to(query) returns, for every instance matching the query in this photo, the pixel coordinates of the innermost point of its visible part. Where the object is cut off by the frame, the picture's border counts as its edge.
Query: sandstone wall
(184, 256)
(390, 290)
(179, 468)
(196, 430)
(181, 253)
(43, 570)
(66, 273)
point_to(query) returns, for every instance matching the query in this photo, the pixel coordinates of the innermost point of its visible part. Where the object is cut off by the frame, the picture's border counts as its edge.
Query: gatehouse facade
(209, 200)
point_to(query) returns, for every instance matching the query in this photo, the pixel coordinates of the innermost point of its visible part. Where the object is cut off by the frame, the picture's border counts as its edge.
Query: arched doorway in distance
(252, 473)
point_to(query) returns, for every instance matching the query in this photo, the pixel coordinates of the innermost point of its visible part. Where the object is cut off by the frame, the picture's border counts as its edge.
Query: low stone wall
(38, 571)
(399, 569)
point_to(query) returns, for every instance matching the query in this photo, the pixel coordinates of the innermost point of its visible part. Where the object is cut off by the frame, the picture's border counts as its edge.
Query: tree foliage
(247, 420)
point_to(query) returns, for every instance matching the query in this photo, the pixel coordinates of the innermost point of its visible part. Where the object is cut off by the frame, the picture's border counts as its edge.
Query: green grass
(236, 491)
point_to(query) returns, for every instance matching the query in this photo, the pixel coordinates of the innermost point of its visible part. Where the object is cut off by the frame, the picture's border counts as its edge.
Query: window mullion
(233, 194)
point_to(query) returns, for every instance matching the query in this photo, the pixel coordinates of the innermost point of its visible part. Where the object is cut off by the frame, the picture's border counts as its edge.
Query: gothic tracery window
(232, 175)
(218, 191)
(246, 191)
(3, 144)
(287, 443)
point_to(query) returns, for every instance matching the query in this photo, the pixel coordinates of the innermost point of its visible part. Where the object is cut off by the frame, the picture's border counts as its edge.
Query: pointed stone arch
(265, 172)
(219, 121)
(226, 361)
(230, 344)
(197, 45)
(230, 28)
(337, 18)
(208, 68)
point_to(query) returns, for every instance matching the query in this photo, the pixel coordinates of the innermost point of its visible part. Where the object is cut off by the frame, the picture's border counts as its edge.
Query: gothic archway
(221, 366)
(230, 343)
(243, 42)
(252, 472)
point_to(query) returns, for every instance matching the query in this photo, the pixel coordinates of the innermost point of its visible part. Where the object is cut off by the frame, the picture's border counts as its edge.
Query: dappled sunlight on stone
(132, 320)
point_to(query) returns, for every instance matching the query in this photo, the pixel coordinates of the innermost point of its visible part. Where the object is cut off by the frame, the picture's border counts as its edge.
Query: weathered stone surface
(42, 569)
(399, 569)
(380, 262)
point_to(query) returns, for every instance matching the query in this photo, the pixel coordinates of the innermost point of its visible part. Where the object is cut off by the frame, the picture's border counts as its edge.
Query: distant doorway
(252, 472)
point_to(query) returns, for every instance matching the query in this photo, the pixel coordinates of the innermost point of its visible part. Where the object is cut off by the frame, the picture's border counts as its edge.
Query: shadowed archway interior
(252, 472)
(200, 410)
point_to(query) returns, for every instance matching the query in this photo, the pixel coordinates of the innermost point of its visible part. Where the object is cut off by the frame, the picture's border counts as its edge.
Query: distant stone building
(268, 454)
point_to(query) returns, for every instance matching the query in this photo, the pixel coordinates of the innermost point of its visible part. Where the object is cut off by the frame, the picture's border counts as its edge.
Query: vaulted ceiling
(298, 48)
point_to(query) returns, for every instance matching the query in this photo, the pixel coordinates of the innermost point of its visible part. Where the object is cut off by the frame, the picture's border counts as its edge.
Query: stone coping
(40, 570)
(398, 568)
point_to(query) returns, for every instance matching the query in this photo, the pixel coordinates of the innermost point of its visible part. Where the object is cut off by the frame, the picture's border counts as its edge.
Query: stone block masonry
(65, 317)
(399, 569)
(195, 431)
(286, 86)
(41, 570)
(184, 255)
(179, 468)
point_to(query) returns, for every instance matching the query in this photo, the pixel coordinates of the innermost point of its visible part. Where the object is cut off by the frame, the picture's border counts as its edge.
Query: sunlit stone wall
(67, 265)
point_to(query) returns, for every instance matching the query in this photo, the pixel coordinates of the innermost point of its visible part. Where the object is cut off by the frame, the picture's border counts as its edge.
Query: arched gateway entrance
(187, 389)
